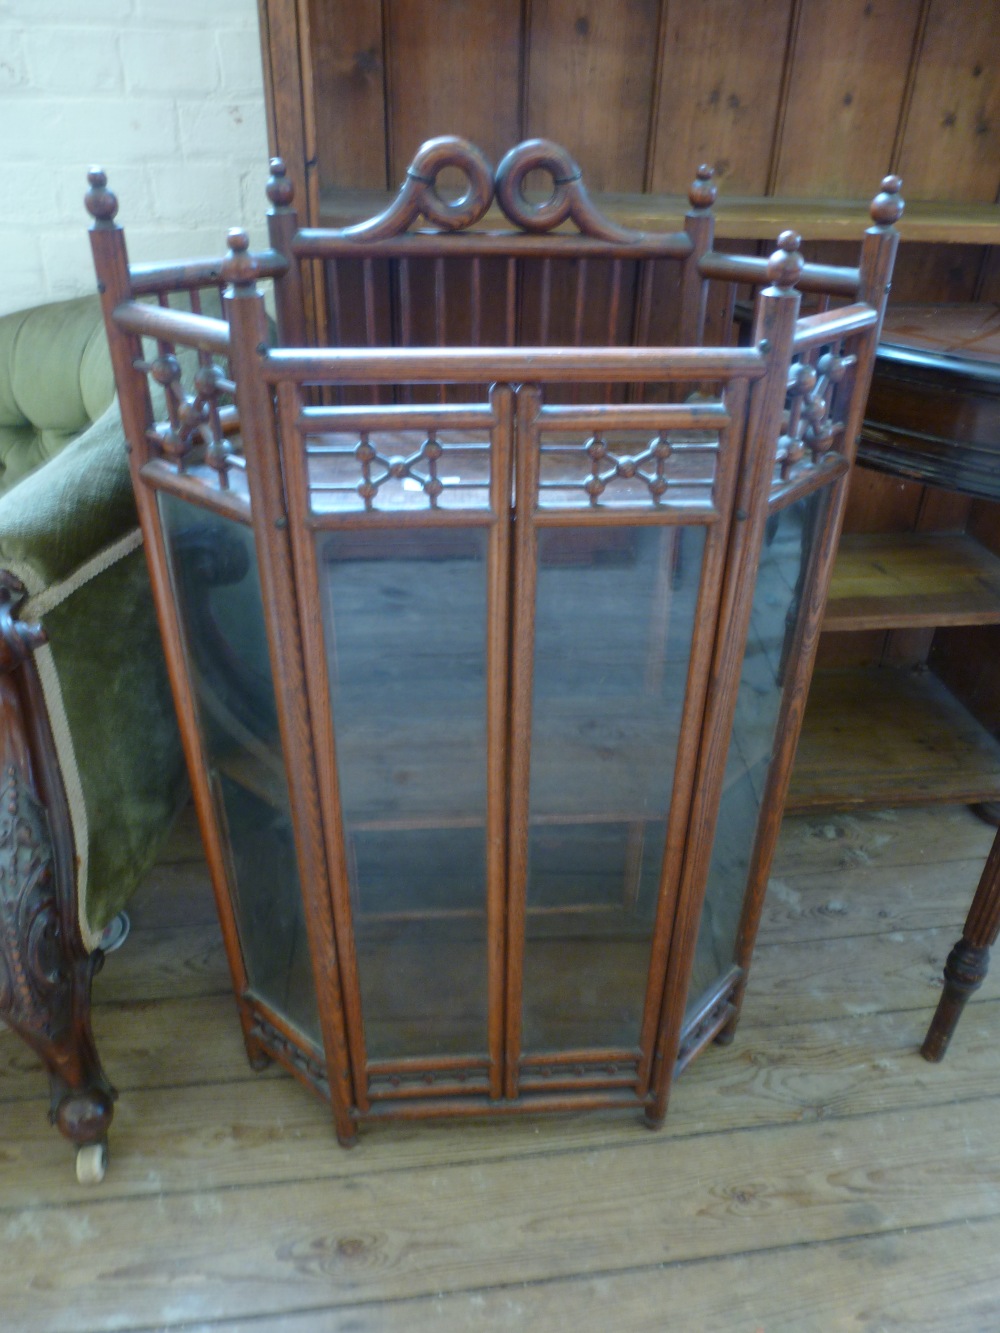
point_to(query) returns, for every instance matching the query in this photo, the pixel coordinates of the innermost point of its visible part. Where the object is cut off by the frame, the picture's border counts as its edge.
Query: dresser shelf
(746, 218)
(913, 580)
(878, 736)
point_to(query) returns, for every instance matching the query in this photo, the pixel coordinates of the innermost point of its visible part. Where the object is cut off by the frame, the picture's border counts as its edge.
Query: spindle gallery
(490, 576)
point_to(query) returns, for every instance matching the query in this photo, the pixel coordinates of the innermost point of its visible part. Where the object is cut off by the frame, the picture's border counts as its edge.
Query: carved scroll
(419, 195)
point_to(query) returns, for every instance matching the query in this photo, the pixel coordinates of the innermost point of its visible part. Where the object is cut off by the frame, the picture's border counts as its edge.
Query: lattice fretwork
(396, 470)
(649, 466)
(676, 466)
(810, 423)
(193, 431)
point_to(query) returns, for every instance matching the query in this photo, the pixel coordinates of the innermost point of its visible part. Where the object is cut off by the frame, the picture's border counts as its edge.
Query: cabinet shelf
(874, 736)
(912, 581)
(748, 218)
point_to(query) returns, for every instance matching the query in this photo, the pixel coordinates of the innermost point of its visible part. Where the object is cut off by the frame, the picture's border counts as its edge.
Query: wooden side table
(965, 970)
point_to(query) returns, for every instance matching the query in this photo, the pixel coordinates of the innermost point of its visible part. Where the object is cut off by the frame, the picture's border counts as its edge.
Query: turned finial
(703, 191)
(101, 203)
(784, 268)
(239, 267)
(280, 190)
(887, 206)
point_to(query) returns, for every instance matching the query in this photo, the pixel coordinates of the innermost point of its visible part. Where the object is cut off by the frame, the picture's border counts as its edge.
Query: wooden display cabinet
(490, 613)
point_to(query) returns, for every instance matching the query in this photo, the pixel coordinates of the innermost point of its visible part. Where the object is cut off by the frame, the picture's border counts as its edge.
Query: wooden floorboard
(835, 1287)
(817, 1174)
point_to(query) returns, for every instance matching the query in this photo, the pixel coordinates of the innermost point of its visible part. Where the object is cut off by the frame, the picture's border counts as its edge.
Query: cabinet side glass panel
(614, 618)
(217, 590)
(784, 563)
(404, 617)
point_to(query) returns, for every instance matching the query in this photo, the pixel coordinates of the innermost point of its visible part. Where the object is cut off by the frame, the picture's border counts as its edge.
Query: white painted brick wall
(168, 98)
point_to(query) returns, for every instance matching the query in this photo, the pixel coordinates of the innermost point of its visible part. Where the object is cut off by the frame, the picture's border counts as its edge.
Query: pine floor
(815, 1175)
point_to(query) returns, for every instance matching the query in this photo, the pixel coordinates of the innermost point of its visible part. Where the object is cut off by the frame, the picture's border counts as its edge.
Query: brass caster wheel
(91, 1163)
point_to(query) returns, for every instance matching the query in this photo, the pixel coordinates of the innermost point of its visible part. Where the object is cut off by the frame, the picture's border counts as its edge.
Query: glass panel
(217, 589)
(784, 561)
(614, 617)
(405, 624)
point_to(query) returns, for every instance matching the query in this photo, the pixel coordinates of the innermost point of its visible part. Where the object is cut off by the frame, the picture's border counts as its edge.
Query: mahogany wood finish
(581, 409)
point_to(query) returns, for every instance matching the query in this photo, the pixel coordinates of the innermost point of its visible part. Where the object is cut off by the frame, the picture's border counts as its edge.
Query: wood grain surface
(812, 97)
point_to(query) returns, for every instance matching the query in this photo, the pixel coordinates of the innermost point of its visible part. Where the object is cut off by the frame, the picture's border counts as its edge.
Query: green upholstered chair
(92, 772)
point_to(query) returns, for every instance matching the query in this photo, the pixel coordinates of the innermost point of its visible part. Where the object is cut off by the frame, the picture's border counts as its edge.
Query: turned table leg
(968, 962)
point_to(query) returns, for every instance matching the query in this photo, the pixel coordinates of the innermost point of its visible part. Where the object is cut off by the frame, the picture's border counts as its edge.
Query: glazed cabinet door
(400, 521)
(621, 532)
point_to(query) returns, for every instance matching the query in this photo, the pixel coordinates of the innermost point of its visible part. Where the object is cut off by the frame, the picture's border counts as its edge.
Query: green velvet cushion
(55, 379)
(67, 511)
(57, 528)
(106, 649)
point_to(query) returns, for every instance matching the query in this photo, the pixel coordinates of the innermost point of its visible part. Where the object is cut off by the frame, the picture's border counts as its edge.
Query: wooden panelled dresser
(797, 104)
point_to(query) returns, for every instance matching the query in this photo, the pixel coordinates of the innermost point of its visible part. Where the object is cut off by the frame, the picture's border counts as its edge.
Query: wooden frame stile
(699, 223)
(245, 308)
(107, 240)
(282, 224)
(773, 333)
(289, 407)
(498, 670)
(525, 568)
(877, 258)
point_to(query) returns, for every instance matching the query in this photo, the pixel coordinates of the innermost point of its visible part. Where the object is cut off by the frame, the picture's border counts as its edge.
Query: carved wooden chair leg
(45, 971)
(967, 964)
